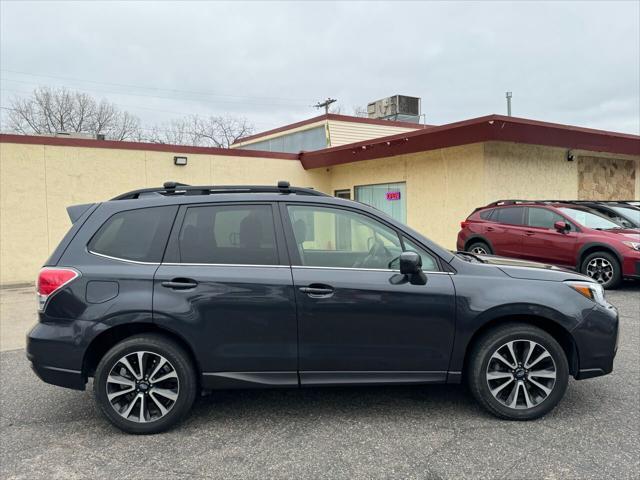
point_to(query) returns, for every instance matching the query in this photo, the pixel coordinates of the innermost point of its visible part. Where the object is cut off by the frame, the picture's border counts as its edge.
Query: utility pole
(325, 104)
(509, 95)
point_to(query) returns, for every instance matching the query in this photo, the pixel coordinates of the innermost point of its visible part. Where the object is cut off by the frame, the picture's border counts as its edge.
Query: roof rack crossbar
(174, 188)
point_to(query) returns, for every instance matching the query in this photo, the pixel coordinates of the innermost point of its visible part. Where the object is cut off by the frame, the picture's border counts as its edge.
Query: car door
(225, 286)
(507, 231)
(359, 320)
(543, 243)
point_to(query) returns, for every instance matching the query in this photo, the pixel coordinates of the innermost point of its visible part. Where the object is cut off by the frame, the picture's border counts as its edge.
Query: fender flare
(479, 237)
(602, 246)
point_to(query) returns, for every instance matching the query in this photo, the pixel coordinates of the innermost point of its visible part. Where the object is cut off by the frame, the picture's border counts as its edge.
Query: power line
(198, 100)
(126, 106)
(142, 87)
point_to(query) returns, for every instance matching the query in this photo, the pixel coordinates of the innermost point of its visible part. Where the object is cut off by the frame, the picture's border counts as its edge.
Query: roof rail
(175, 188)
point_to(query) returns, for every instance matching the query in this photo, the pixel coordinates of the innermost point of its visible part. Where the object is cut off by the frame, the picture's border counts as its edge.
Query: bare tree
(360, 111)
(50, 110)
(211, 131)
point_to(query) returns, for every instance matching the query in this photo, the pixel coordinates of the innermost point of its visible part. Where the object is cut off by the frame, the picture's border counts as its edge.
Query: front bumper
(55, 355)
(597, 340)
(631, 264)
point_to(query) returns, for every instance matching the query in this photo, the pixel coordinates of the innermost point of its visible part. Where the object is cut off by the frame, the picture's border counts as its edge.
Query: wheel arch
(592, 247)
(101, 344)
(553, 328)
(478, 238)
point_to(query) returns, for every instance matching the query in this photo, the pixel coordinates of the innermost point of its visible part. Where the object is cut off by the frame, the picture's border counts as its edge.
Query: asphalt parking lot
(399, 432)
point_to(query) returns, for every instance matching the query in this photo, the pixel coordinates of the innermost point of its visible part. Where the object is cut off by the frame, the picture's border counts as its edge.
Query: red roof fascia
(482, 129)
(124, 145)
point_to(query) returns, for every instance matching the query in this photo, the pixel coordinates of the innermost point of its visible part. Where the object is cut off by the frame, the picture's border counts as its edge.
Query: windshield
(632, 214)
(589, 218)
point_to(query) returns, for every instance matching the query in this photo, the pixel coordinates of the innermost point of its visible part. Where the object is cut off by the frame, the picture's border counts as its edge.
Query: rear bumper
(597, 340)
(55, 357)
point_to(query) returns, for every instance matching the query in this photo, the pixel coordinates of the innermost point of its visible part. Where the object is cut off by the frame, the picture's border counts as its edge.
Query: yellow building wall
(38, 182)
(528, 172)
(443, 186)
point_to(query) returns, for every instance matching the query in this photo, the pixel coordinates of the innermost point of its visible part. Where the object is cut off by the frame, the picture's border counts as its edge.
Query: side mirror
(411, 265)
(561, 226)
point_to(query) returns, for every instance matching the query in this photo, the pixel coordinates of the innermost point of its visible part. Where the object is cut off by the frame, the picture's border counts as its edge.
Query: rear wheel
(145, 384)
(518, 372)
(604, 268)
(479, 248)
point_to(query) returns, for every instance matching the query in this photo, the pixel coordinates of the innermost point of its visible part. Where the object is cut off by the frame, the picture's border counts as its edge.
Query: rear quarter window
(139, 235)
(486, 214)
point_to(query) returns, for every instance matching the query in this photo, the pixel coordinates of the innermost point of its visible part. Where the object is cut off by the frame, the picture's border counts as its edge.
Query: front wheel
(518, 372)
(604, 268)
(145, 384)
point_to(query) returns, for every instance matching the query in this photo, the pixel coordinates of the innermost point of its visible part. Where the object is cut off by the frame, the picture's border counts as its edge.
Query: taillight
(463, 224)
(52, 279)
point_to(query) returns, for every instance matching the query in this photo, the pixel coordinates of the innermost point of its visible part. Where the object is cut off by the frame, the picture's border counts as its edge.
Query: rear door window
(510, 215)
(139, 235)
(228, 234)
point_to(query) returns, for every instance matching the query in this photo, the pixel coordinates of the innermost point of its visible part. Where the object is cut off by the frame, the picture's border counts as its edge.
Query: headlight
(593, 291)
(634, 245)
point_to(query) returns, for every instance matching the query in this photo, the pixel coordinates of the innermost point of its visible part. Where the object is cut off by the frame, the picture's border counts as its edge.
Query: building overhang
(483, 129)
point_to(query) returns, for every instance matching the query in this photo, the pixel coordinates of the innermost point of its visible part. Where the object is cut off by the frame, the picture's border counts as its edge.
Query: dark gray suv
(162, 293)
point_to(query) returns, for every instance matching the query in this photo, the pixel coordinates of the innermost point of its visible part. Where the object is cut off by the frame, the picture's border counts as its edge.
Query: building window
(389, 198)
(304, 140)
(342, 194)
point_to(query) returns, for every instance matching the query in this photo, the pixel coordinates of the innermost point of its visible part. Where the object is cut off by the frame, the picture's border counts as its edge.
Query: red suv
(565, 234)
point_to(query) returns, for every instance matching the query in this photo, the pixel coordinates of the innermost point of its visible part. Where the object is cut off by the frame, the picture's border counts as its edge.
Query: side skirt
(233, 380)
(308, 379)
(230, 380)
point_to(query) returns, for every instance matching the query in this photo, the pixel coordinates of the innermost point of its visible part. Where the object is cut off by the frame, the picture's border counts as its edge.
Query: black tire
(484, 248)
(603, 258)
(494, 340)
(178, 361)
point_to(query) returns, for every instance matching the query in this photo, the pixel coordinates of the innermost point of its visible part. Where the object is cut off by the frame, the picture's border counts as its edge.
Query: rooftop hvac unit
(397, 107)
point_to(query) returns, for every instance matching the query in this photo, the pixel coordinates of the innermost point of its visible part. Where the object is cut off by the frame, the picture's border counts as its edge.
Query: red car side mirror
(561, 226)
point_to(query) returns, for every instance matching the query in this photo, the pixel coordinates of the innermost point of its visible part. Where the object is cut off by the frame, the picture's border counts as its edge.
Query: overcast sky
(575, 62)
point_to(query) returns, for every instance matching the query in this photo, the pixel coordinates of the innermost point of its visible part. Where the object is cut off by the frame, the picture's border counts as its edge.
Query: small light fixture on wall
(180, 161)
(570, 156)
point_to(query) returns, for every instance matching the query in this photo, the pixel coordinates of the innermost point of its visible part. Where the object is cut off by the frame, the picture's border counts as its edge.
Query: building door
(389, 198)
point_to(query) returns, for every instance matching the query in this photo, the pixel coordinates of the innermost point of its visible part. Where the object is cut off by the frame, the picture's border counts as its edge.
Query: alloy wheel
(600, 269)
(521, 374)
(479, 250)
(142, 386)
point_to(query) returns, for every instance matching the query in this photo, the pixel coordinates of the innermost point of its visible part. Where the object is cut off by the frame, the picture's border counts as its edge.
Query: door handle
(317, 291)
(490, 229)
(180, 284)
(529, 233)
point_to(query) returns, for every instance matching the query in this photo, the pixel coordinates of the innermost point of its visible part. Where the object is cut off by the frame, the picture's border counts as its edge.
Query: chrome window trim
(175, 264)
(122, 259)
(368, 269)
